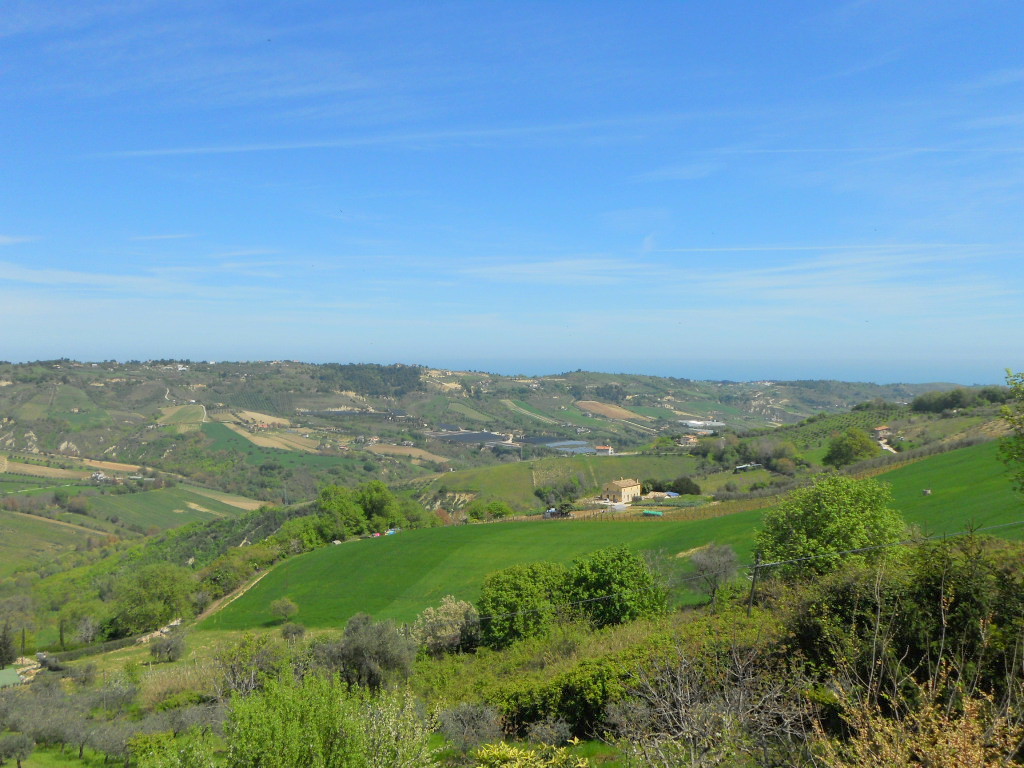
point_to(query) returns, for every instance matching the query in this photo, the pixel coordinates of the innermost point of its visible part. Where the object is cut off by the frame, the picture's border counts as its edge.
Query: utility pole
(753, 583)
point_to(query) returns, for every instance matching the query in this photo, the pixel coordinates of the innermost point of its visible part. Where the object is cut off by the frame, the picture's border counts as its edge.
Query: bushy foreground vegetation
(912, 655)
(855, 642)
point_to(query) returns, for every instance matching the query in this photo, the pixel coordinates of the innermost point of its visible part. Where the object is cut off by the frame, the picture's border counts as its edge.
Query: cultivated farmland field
(38, 470)
(24, 539)
(407, 450)
(398, 576)
(281, 440)
(231, 499)
(162, 508)
(610, 411)
(182, 414)
(523, 410)
(470, 413)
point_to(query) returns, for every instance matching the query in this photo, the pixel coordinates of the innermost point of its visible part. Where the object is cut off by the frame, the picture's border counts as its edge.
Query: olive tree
(284, 608)
(714, 565)
(16, 746)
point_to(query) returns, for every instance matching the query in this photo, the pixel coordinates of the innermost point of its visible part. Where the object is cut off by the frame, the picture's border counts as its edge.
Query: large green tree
(521, 601)
(852, 445)
(1012, 448)
(340, 515)
(819, 525)
(380, 505)
(150, 597)
(615, 585)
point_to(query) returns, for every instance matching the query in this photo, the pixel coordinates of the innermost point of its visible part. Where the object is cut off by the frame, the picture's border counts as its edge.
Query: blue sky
(739, 190)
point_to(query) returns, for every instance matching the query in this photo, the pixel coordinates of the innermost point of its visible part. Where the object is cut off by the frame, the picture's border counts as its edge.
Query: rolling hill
(397, 576)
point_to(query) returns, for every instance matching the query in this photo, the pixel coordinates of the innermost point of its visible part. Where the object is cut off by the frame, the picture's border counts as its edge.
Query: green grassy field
(461, 409)
(970, 487)
(24, 539)
(397, 576)
(9, 676)
(162, 508)
(23, 484)
(186, 414)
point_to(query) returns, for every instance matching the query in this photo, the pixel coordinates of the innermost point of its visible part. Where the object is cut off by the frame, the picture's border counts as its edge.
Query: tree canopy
(1012, 448)
(615, 585)
(826, 520)
(852, 445)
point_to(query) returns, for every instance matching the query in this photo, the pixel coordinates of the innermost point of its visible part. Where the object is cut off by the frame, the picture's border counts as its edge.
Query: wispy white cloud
(684, 172)
(597, 270)
(158, 283)
(999, 78)
(412, 138)
(15, 239)
(867, 65)
(831, 247)
(161, 237)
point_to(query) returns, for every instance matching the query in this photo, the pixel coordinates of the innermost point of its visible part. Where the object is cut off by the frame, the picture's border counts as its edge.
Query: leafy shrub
(502, 755)
(521, 601)
(452, 626)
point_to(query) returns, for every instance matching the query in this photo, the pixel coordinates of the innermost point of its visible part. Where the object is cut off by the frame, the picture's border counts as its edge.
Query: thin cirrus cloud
(559, 271)
(411, 138)
(684, 172)
(144, 238)
(14, 239)
(127, 284)
(888, 278)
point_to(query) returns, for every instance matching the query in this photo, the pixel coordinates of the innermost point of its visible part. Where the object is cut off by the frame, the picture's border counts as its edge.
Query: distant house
(882, 432)
(604, 450)
(747, 468)
(622, 491)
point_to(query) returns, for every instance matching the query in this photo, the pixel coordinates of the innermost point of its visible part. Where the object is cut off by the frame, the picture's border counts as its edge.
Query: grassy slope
(226, 440)
(163, 508)
(969, 487)
(24, 538)
(397, 576)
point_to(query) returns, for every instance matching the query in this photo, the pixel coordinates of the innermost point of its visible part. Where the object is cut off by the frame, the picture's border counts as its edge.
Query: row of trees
(961, 397)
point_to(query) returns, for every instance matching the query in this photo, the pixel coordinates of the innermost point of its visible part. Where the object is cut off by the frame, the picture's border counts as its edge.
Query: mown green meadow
(969, 487)
(397, 576)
